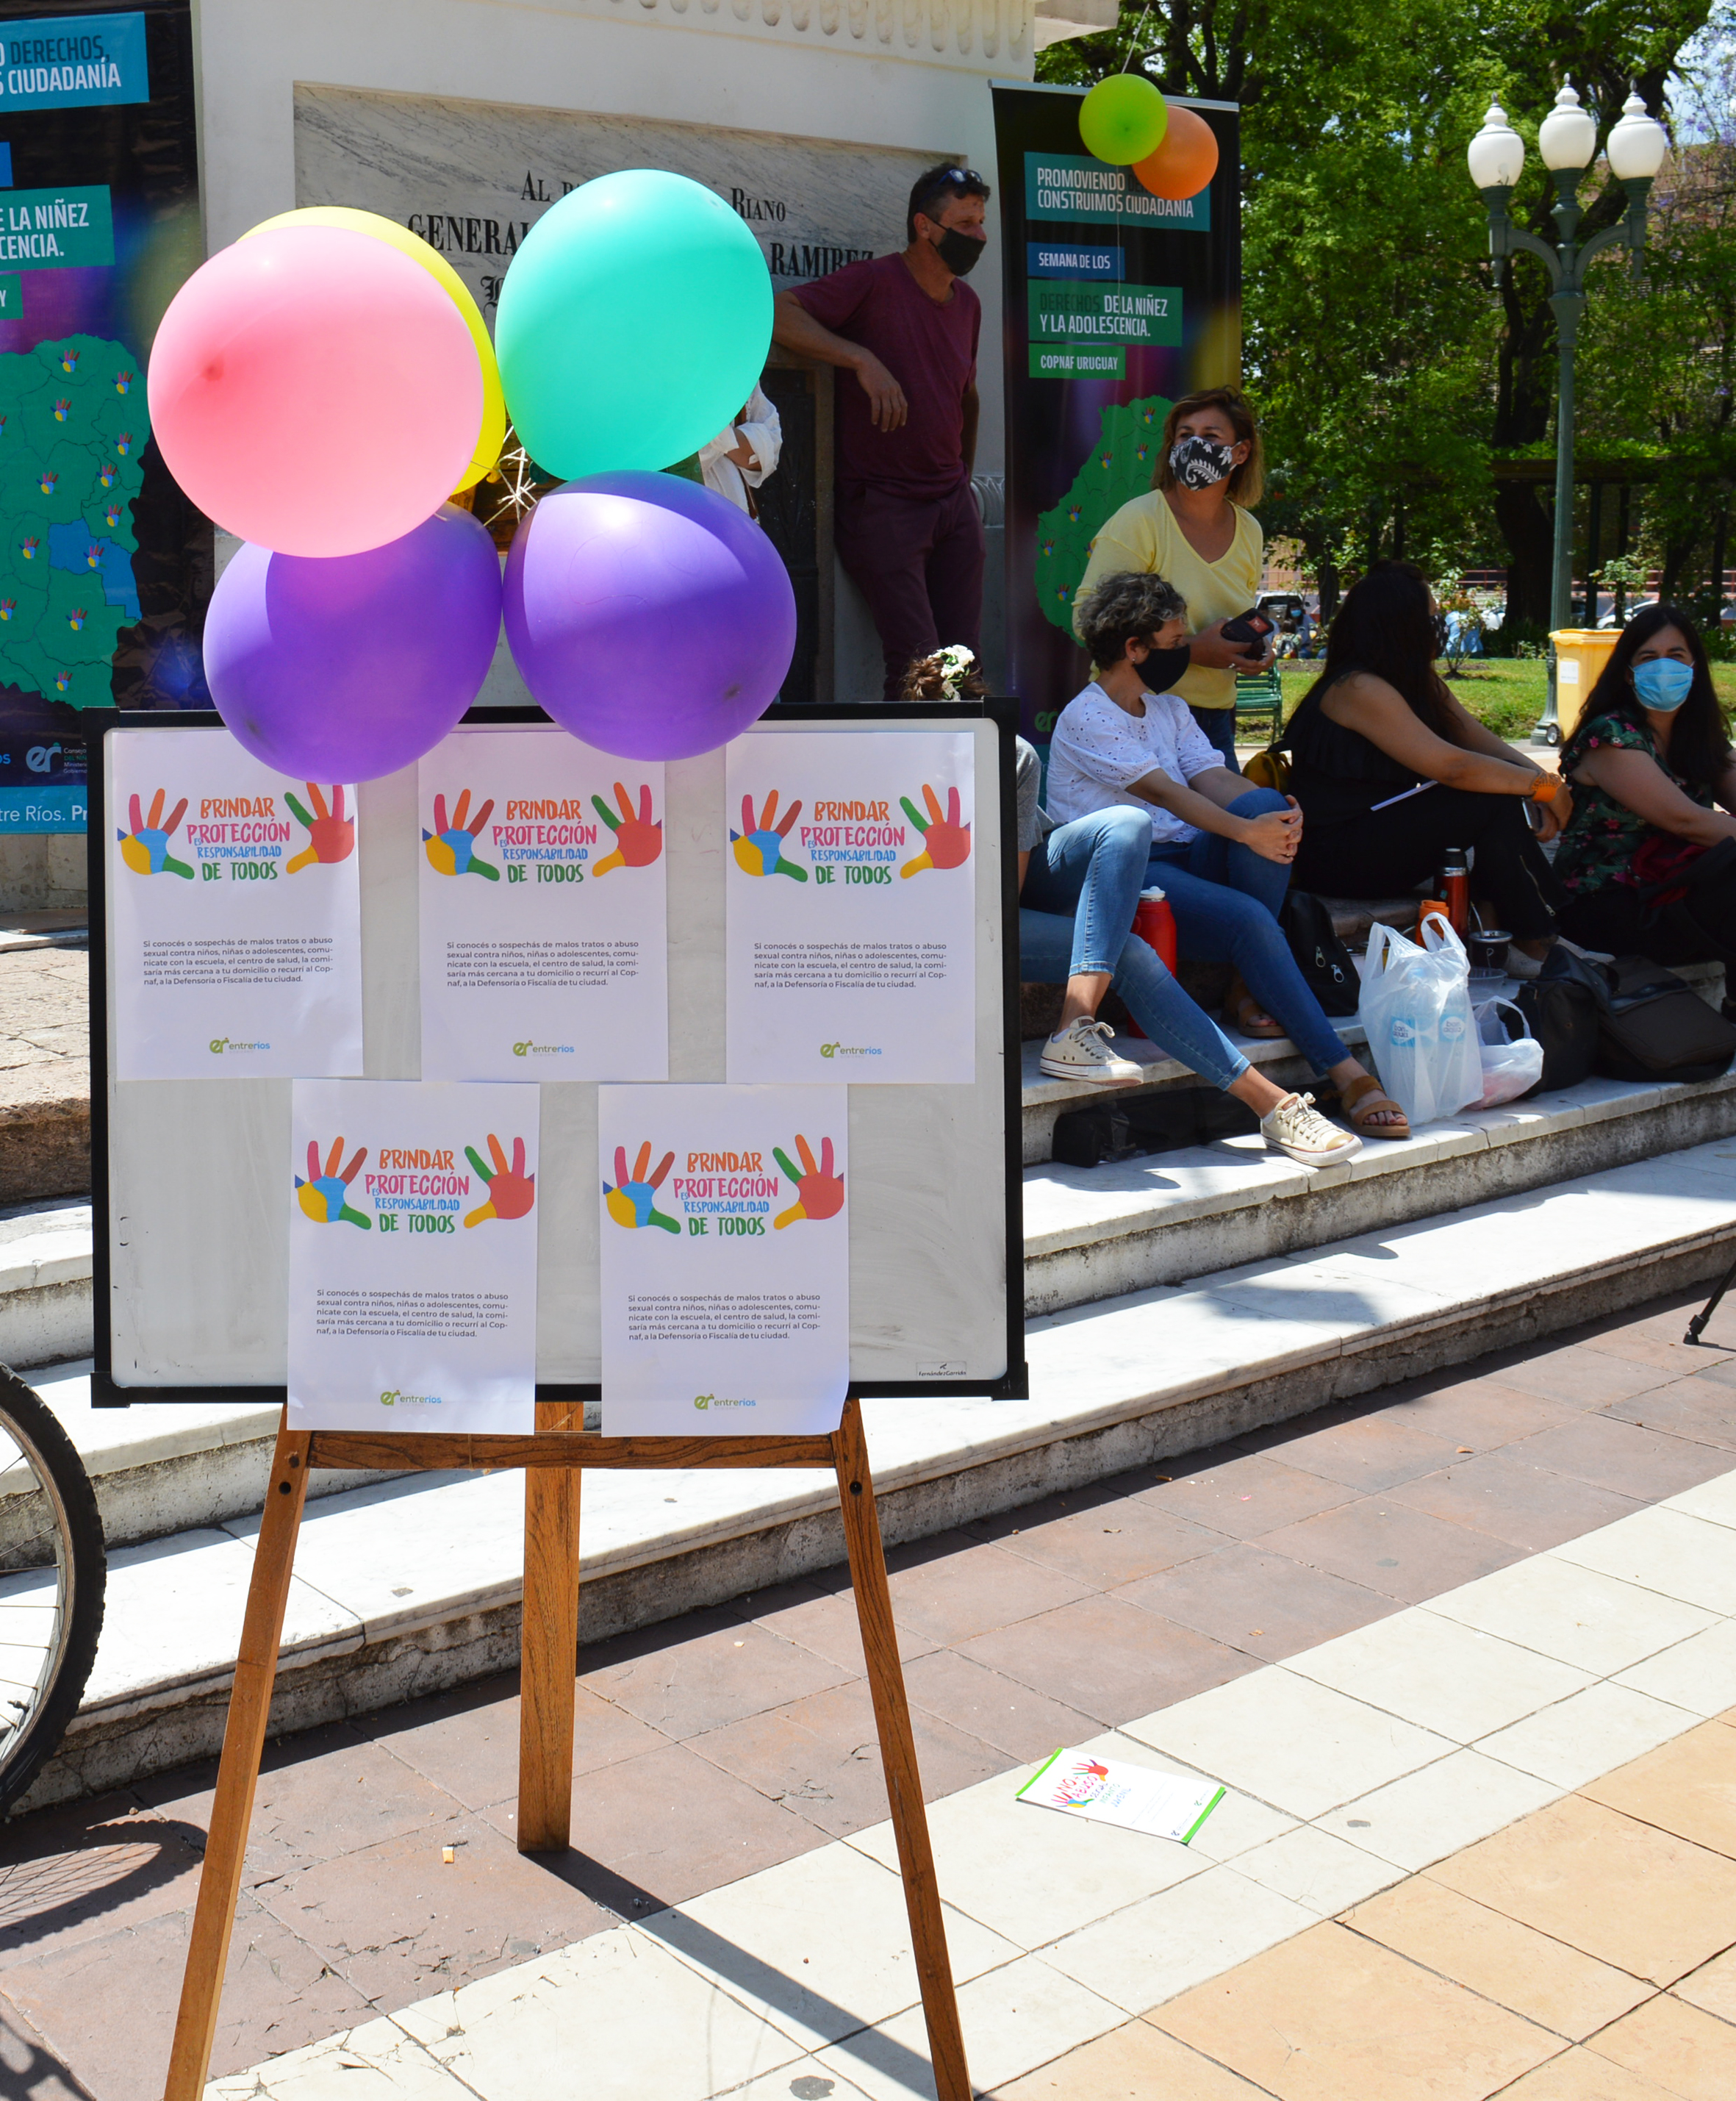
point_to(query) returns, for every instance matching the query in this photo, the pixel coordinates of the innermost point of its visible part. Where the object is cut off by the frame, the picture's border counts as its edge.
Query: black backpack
(1323, 959)
(1656, 1026)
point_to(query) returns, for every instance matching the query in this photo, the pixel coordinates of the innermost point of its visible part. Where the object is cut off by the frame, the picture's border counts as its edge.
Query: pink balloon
(315, 391)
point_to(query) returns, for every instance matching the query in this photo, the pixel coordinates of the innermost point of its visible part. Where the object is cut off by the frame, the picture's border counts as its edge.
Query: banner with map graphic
(1118, 303)
(104, 566)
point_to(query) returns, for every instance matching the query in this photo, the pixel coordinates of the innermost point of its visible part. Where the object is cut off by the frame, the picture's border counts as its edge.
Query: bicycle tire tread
(41, 1735)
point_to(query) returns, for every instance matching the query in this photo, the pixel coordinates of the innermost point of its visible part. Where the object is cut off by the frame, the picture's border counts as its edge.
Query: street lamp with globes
(1567, 139)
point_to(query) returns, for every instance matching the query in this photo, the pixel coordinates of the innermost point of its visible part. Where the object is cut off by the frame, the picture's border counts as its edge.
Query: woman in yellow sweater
(1196, 529)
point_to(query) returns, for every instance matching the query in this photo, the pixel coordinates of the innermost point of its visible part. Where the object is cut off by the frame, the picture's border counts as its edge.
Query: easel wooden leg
(550, 1642)
(898, 1752)
(237, 1774)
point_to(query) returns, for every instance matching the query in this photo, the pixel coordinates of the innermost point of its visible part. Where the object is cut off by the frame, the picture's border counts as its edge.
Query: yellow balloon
(493, 431)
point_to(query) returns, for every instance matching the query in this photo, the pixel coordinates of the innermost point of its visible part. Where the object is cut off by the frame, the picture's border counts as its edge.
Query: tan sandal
(1240, 1005)
(1363, 1100)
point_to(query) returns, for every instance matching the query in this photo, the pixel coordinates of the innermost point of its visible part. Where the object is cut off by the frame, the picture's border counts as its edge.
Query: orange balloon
(1186, 161)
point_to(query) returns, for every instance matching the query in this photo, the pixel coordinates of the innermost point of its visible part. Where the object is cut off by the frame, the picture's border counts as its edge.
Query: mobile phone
(1250, 630)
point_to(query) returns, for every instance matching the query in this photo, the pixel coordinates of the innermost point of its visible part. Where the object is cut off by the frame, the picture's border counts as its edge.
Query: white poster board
(852, 906)
(935, 1288)
(413, 1256)
(544, 928)
(726, 1259)
(235, 924)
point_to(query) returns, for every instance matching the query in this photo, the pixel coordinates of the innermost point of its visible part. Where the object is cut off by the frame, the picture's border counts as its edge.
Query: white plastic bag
(1512, 1068)
(1415, 1005)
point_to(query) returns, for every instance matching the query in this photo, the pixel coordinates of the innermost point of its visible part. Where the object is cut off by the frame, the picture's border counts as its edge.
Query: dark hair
(1699, 741)
(1247, 481)
(950, 179)
(1126, 606)
(926, 679)
(1385, 625)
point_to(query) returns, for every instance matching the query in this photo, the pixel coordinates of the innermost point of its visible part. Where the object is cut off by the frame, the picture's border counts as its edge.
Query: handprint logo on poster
(145, 849)
(511, 1192)
(450, 848)
(326, 1197)
(638, 840)
(631, 1201)
(759, 850)
(946, 842)
(819, 1193)
(331, 835)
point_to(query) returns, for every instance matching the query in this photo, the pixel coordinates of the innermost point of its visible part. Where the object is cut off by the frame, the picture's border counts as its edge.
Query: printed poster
(544, 922)
(235, 911)
(726, 1259)
(1111, 1791)
(413, 1256)
(851, 906)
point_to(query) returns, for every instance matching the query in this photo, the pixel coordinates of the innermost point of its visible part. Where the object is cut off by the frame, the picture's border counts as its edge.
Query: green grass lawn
(1505, 693)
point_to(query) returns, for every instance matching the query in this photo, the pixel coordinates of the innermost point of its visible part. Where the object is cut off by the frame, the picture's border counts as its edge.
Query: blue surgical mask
(1662, 683)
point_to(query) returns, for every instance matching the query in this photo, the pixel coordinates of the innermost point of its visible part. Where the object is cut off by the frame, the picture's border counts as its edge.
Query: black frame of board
(1014, 1384)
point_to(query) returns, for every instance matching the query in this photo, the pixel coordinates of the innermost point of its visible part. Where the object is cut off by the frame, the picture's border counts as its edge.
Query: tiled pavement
(715, 1746)
(1584, 1953)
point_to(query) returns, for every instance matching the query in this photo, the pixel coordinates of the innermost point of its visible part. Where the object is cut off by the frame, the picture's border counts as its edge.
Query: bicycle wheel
(53, 1568)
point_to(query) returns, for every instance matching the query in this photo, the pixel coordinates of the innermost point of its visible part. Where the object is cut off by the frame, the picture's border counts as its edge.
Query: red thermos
(1156, 924)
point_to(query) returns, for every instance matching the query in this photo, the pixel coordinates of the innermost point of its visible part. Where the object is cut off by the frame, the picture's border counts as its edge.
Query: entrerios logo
(705, 1401)
(529, 1050)
(222, 1044)
(850, 1050)
(396, 1400)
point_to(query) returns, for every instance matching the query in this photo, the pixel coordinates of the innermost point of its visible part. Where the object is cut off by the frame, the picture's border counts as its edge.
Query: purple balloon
(648, 614)
(348, 667)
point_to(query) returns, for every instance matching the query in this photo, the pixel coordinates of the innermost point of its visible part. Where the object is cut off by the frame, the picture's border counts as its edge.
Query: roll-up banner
(1117, 304)
(105, 565)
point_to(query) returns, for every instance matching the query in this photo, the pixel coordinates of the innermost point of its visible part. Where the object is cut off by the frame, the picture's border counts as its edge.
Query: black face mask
(1201, 462)
(958, 251)
(1160, 668)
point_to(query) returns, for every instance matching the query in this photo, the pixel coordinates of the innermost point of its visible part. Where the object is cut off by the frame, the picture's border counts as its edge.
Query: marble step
(1093, 1233)
(1090, 1235)
(1044, 1098)
(408, 1586)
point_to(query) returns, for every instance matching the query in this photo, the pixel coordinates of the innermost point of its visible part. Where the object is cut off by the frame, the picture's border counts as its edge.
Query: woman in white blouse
(738, 458)
(1221, 851)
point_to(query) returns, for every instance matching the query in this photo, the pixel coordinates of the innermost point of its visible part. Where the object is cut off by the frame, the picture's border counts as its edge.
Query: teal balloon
(633, 323)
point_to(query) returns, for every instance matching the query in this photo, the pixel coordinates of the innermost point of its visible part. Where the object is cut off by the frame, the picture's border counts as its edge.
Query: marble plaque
(472, 178)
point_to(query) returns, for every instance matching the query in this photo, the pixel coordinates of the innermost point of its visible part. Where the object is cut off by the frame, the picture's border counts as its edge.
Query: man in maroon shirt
(904, 519)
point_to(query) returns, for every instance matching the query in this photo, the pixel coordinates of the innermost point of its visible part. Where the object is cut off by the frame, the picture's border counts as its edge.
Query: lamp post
(1567, 139)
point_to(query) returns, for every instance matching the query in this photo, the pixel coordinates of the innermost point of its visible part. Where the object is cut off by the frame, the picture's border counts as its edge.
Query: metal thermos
(1155, 923)
(1454, 884)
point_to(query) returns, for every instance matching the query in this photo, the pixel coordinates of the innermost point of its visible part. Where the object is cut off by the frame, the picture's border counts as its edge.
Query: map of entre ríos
(1118, 467)
(72, 429)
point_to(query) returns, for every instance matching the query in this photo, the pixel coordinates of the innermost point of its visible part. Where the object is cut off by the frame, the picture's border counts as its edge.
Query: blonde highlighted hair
(1247, 481)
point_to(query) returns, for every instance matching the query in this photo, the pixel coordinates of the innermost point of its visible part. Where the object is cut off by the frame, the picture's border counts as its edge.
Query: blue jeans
(1094, 869)
(1153, 998)
(1225, 899)
(1219, 725)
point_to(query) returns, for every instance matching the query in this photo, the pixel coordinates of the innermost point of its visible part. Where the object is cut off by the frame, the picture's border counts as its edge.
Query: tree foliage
(1392, 375)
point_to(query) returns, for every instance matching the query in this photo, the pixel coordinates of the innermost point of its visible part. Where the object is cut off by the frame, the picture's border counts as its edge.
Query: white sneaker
(1081, 1051)
(1296, 1127)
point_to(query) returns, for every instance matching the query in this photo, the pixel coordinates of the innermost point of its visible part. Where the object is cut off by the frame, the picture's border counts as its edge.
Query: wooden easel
(554, 1460)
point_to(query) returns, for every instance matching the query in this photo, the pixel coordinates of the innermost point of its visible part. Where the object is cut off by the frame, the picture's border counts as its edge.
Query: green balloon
(1123, 119)
(633, 322)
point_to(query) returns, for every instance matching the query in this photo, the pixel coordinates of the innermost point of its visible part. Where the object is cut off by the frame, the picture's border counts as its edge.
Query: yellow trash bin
(1581, 655)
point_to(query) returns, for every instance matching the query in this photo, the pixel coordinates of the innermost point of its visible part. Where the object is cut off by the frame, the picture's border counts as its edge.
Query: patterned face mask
(1199, 462)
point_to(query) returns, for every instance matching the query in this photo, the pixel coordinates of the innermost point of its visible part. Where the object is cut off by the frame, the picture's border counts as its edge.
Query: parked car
(1610, 619)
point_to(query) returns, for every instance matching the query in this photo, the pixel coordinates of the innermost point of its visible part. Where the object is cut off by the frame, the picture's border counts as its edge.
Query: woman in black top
(1390, 771)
